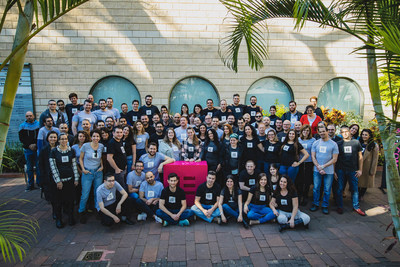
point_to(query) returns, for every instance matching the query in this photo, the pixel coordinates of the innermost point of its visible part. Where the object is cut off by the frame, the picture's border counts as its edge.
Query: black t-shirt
(237, 111)
(250, 148)
(156, 138)
(271, 151)
(210, 112)
(273, 119)
(348, 155)
(173, 200)
(119, 154)
(231, 159)
(281, 136)
(223, 116)
(149, 111)
(128, 143)
(285, 203)
(249, 180)
(239, 132)
(150, 130)
(288, 154)
(71, 110)
(252, 111)
(208, 196)
(259, 198)
(64, 161)
(132, 117)
(230, 198)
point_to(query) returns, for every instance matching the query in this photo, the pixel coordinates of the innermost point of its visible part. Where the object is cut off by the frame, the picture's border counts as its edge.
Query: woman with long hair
(202, 133)
(285, 205)
(231, 156)
(185, 109)
(305, 176)
(256, 206)
(92, 170)
(310, 119)
(230, 202)
(191, 147)
(370, 162)
(129, 146)
(211, 151)
(274, 176)
(170, 145)
(225, 139)
(141, 138)
(272, 149)
(251, 146)
(197, 110)
(81, 138)
(354, 131)
(65, 175)
(290, 153)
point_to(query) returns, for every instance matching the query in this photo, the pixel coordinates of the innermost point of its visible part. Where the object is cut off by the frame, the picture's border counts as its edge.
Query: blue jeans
(31, 161)
(261, 213)
(129, 160)
(289, 171)
(186, 214)
(134, 195)
(230, 211)
(328, 179)
(350, 176)
(200, 214)
(266, 167)
(94, 178)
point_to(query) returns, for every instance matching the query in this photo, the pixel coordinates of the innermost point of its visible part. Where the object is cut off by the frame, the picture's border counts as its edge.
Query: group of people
(260, 168)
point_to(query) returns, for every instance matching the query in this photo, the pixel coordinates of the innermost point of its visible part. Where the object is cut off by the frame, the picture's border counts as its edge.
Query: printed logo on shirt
(134, 118)
(363, 149)
(210, 114)
(159, 141)
(252, 181)
(286, 148)
(183, 136)
(283, 139)
(96, 155)
(322, 149)
(137, 183)
(103, 117)
(234, 155)
(150, 164)
(252, 113)
(347, 149)
(235, 171)
(305, 146)
(105, 149)
(150, 193)
(284, 202)
(274, 187)
(209, 196)
(293, 120)
(65, 159)
(237, 110)
(171, 199)
(210, 149)
(191, 149)
(110, 197)
(175, 148)
(74, 110)
(122, 149)
(262, 198)
(271, 148)
(139, 140)
(148, 112)
(249, 145)
(272, 123)
(230, 199)
(223, 118)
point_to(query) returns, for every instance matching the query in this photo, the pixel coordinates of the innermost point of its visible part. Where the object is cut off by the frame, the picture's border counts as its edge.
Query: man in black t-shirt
(210, 110)
(348, 168)
(148, 109)
(134, 114)
(237, 108)
(116, 156)
(72, 108)
(172, 204)
(147, 127)
(158, 135)
(252, 109)
(248, 178)
(207, 198)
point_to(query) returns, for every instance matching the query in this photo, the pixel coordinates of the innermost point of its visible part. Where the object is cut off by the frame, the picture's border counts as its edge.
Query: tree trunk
(14, 73)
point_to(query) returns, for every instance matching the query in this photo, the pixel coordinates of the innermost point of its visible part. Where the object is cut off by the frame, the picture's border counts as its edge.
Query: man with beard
(158, 135)
(292, 115)
(210, 110)
(147, 127)
(149, 109)
(73, 107)
(134, 114)
(116, 156)
(223, 113)
(115, 111)
(236, 108)
(253, 109)
(102, 113)
(85, 114)
(154, 161)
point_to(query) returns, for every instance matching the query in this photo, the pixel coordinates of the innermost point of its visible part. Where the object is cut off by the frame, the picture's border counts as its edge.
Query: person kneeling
(230, 202)
(285, 205)
(207, 198)
(256, 204)
(172, 204)
(110, 210)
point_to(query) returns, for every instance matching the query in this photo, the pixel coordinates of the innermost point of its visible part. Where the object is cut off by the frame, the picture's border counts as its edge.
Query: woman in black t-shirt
(230, 202)
(272, 148)
(130, 147)
(256, 206)
(251, 146)
(285, 205)
(290, 155)
(274, 176)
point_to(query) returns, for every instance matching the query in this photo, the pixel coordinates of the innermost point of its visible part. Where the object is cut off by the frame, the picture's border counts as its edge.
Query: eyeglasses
(258, 116)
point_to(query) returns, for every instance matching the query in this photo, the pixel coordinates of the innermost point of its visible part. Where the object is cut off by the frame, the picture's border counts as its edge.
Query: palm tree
(50, 10)
(376, 23)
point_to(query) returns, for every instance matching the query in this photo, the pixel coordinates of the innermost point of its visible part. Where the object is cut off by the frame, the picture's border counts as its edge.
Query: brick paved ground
(334, 240)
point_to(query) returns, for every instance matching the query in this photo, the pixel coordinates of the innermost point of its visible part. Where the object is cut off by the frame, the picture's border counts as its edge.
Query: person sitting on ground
(135, 179)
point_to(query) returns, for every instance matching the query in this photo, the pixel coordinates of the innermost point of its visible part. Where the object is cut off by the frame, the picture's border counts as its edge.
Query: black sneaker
(314, 208)
(29, 188)
(83, 218)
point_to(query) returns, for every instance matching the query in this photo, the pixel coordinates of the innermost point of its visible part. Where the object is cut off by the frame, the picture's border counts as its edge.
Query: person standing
(72, 108)
(236, 108)
(154, 161)
(116, 156)
(78, 118)
(149, 109)
(52, 112)
(292, 115)
(253, 109)
(43, 132)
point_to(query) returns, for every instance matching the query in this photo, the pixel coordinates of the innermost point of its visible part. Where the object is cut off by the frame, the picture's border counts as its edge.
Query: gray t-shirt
(92, 158)
(151, 164)
(307, 145)
(107, 196)
(141, 140)
(134, 180)
(103, 114)
(324, 152)
(83, 115)
(151, 191)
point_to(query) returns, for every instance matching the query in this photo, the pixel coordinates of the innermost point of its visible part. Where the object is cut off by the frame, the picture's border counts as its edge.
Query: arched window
(268, 90)
(343, 94)
(192, 90)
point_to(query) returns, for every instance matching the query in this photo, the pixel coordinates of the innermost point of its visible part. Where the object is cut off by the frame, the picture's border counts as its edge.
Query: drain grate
(92, 256)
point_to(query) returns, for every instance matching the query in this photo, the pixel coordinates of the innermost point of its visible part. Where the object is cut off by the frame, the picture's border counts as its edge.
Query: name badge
(175, 148)
(252, 181)
(139, 140)
(148, 112)
(96, 155)
(252, 113)
(249, 145)
(209, 196)
(271, 148)
(150, 194)
(223, 118)
(347, 149)
(293, 120)
(286, 148)
(272, 123)
(283, 139)
(262, 197)
(363, 149)
(90, 120)
(183, 136)
(138, 183)
(230, 199)
(234, 155)
(134, 118)
(191, 149)
(150, 164)
(122, 149)
(284, 202)
(171, 200)
(237, 110)
(110, 196)
(210, 149)
(305, 146)
(322, 149)
(64, 159)
(105, 149)
(235, 171)
(274, 187)
(74, 110)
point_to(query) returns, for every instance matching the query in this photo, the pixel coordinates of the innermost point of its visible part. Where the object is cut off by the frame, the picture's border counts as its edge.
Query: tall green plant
(45, 12)
(376, 23)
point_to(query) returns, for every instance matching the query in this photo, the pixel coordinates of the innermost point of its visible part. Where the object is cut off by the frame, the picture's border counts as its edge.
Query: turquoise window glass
(118, 88)
(268, 90)
(192, 90)
(343, 94)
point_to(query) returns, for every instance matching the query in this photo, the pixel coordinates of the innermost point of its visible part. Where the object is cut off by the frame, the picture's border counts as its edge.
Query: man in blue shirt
(154, 161)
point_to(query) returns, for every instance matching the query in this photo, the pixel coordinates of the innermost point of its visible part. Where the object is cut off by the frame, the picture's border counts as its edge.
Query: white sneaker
(142, 216)
(158, 219)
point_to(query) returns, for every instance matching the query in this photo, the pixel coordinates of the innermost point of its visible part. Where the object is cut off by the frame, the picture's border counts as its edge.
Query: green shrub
(13, 158)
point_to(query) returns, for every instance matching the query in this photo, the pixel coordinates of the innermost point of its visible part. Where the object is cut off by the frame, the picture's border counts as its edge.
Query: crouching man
(113, 208)
(172, 205)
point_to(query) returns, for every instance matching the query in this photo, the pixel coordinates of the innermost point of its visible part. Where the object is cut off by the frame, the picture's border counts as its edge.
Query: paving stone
(176, 253)
(314, 260)
(281, 253)
(275, 240)
(257, 259)
(202, 251)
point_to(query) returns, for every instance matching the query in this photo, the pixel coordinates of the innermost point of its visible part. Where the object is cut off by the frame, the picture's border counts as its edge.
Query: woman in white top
(170, 145)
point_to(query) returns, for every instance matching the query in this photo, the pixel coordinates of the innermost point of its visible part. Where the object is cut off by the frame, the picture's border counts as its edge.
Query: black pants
(304, 179)
(63, 199)
(126, 210)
